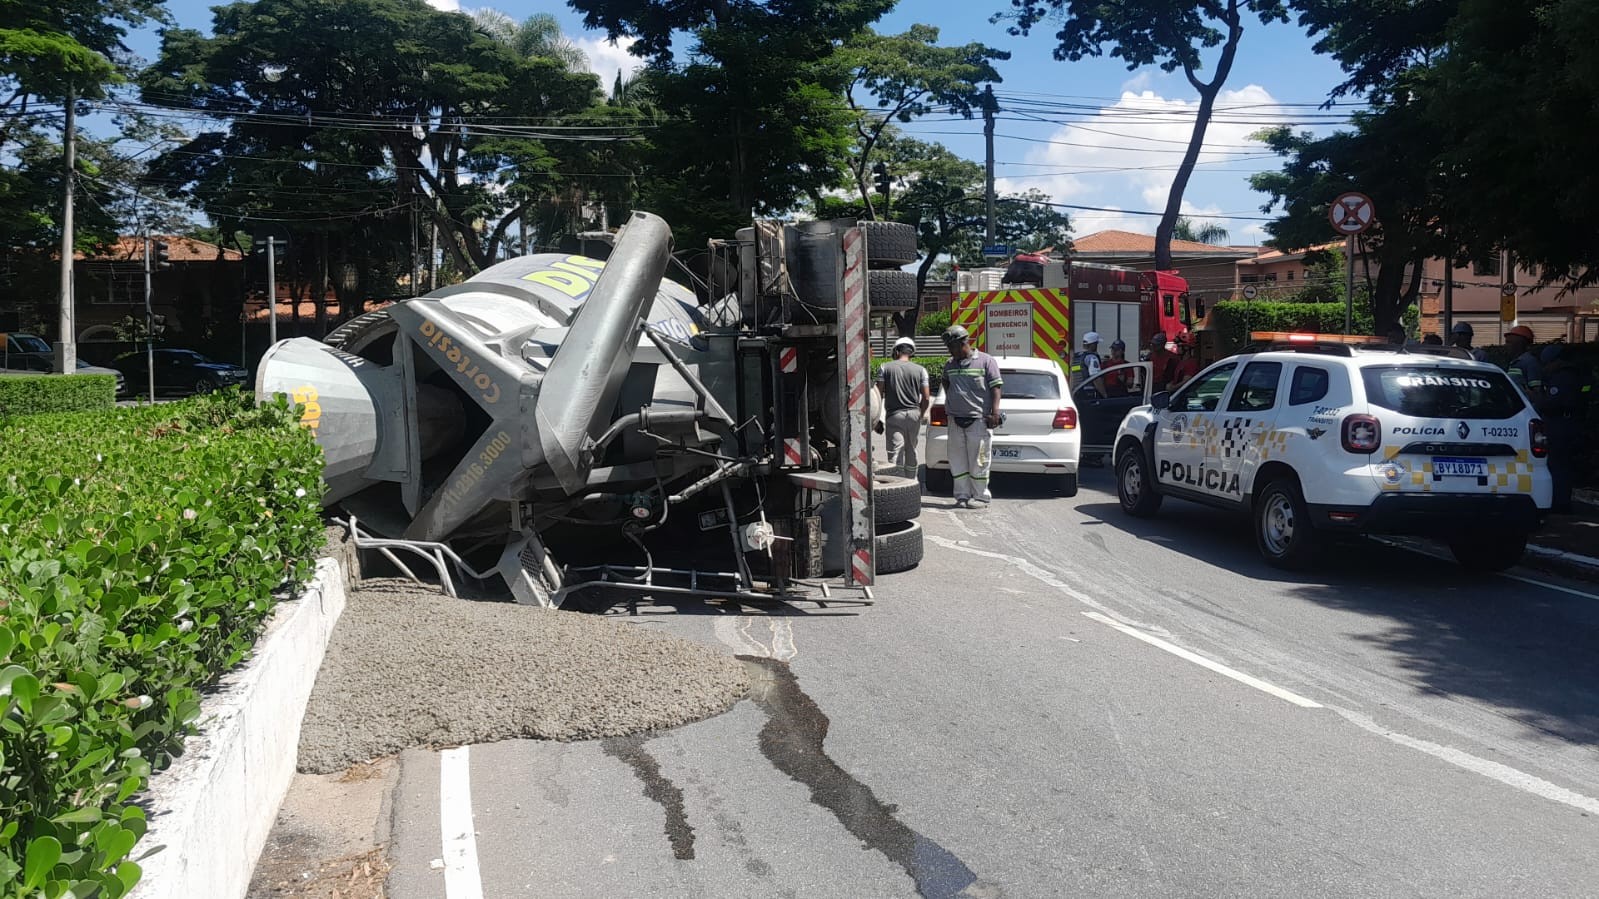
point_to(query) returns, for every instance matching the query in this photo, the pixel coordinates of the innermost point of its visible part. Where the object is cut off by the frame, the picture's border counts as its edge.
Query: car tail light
(937, 417)
(1065, 419)
(1362, 434)
(1540, 439)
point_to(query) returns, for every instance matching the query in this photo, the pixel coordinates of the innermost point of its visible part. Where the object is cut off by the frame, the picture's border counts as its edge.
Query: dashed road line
(462, 878)
(1219, 668)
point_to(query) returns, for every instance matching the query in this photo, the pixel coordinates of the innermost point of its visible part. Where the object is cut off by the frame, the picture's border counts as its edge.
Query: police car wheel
(1066, 485)
(1492, 551)
(1283, 531)
(1134, 487)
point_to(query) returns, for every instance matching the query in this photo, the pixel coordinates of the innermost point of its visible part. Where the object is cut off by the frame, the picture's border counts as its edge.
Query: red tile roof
(130, 248)
(1129, 242)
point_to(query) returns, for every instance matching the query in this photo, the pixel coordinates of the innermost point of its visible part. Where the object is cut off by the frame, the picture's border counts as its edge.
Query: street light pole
(149, 323)
(67, 341)
(272, 290)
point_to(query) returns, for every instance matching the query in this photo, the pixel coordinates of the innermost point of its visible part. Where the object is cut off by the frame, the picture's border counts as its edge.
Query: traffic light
(880, 175)
(161, 255)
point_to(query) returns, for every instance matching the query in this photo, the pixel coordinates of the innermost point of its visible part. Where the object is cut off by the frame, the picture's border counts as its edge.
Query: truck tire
(889, 244)
(356, 334)
(1488, 552)
(899, 547)
(891, 290)
(895, 499)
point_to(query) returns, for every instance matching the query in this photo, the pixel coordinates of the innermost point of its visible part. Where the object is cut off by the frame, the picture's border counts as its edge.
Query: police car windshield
(1029, 385)
(1425, 391)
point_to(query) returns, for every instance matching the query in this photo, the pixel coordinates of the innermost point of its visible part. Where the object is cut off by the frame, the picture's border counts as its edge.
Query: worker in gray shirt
(907, 395)
(971, 399)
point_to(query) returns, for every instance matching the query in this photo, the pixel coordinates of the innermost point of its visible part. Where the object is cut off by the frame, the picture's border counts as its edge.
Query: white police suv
(1316, 436)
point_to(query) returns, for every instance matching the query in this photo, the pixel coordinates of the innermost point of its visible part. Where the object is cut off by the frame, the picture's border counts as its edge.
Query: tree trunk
(322, 286)
(1196, 141)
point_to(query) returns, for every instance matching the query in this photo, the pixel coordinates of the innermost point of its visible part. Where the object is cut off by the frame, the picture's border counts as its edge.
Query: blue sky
(1114, 147)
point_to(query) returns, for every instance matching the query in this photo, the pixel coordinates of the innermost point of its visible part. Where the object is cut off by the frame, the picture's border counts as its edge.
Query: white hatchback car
(1315, 438)
(1039, 436)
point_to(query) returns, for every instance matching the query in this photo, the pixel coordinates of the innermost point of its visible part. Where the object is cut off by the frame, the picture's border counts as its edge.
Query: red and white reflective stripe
(788, 360)
(856, 364)
(791, 451)
(861, 567)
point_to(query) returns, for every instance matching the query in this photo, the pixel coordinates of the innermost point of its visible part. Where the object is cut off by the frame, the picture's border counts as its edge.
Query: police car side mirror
(1160, 400)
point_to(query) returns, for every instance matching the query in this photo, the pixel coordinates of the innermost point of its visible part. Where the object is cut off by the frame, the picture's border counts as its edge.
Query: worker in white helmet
(907, 396)
(1086, 364)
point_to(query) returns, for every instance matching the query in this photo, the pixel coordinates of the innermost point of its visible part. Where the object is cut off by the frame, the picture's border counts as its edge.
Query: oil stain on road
(792, 741)
(657, 787)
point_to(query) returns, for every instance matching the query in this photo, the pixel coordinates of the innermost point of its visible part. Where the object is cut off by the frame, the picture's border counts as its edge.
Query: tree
(1404, 189)
(1168, 33)
(1209, 232)
(539, 35)
(758, 122)
(345, 116)
(908, 75)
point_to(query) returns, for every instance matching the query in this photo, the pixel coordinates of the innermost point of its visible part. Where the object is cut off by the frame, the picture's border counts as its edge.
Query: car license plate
(1007, 452)
(1455, 467)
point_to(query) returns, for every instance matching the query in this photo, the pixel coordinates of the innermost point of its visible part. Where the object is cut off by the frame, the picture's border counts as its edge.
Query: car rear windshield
(1029, 385)
(1442, 392)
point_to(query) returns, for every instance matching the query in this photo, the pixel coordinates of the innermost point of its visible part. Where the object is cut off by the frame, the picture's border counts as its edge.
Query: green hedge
(140, 551)
(1236, 319)
(37, 394)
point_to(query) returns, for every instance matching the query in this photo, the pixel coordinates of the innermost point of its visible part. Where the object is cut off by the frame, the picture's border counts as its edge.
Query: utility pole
(149, 322)
(67, 341)
(988, 141)
(1449, 298)
(272, 290)
(1349, 284)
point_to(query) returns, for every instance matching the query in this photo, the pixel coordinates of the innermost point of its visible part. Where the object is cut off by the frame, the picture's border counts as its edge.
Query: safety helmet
(955, 335)
(1091, 338)
(1550, 353)
(1159, 337)
(1184, 339)
(1118, 344)
(905, 343)
(1522, 331)
(1462, 328)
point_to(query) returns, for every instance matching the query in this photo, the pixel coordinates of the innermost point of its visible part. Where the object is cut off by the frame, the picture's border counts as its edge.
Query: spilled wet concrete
(658, 788)
(792, 740)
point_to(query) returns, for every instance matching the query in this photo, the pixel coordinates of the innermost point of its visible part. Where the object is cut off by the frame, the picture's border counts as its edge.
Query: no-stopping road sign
(1351, 213)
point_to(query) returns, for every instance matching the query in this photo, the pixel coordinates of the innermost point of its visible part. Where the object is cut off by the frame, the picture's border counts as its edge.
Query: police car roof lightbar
(1304, 338)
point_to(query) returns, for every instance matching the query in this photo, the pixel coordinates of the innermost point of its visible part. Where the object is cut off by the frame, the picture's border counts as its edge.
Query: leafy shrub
(1235, 319)
(932, 324)
(36, 394)
(140, 550)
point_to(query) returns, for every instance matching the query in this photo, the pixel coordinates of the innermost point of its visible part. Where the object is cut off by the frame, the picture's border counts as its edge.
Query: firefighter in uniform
(1563, 404)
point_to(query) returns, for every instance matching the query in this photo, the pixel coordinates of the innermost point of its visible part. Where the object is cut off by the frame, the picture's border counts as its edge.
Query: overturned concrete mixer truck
(555, 414)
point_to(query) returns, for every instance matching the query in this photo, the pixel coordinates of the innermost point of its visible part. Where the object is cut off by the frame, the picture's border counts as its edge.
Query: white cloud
(446, 5)
(606, 58)
(1125, 156)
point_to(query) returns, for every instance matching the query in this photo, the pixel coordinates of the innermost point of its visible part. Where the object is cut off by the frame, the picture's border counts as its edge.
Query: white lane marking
(1025, 567)
(462, 879)
(1505, 774)
(1203, 662)
(1548, 586)
(1420, 551)
(956, 519)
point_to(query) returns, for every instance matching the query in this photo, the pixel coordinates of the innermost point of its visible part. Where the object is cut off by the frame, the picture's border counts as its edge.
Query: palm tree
(1209, 232)
(539, 35)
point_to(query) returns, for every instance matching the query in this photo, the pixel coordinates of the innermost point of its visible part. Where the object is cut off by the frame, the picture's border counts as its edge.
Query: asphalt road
(1062, 701)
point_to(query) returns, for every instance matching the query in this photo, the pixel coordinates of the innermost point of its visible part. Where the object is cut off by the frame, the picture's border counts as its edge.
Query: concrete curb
(1561, 562)
(212, 810)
